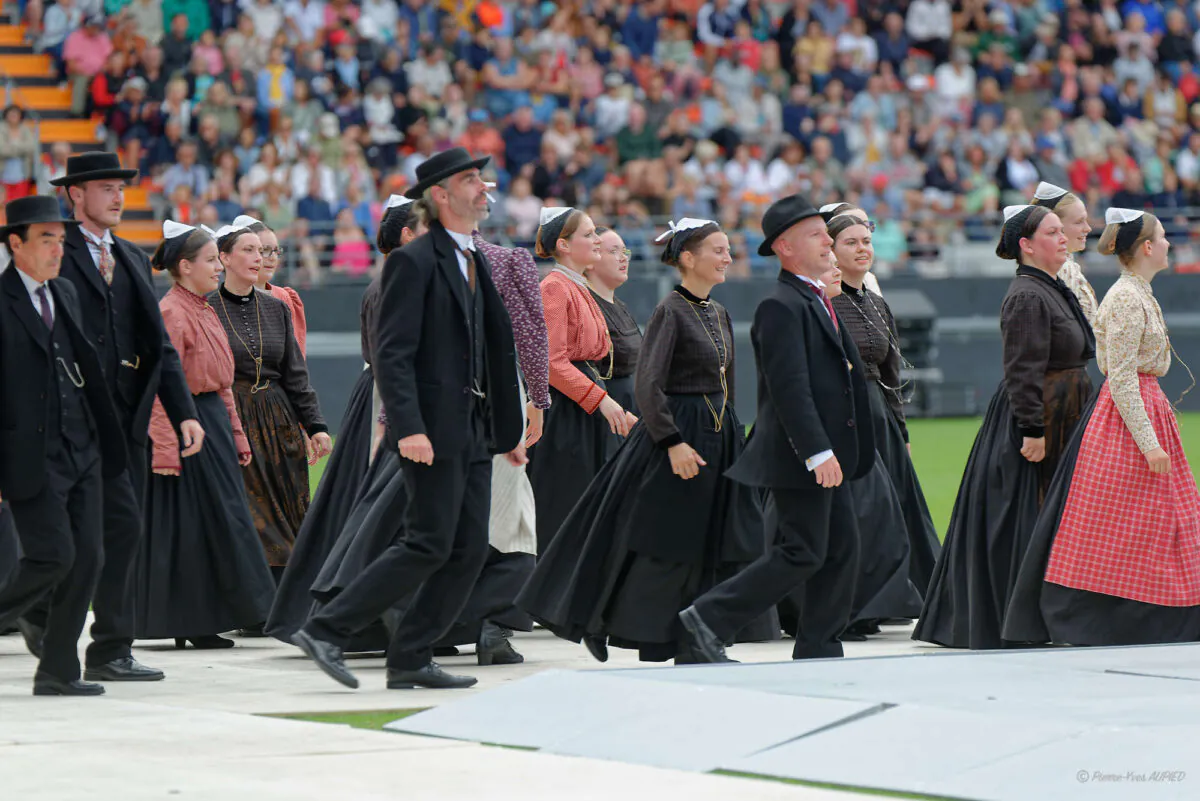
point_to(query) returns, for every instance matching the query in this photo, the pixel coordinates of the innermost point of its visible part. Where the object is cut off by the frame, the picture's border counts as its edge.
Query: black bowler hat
(441, 166)
(782, 215)
(95, 165)
(30, 211)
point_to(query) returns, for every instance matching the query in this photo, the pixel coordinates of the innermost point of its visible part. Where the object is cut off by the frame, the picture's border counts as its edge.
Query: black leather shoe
(706, 646)
(124, 669)
(33, 635)
(45, 684)
(447, 650)
(431, 676)
(208, 642)
(327, 656)
(253, 631)
(597, 647)
(494, 648)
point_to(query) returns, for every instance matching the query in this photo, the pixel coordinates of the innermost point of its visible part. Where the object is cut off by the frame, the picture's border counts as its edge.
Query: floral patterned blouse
(1072, 275)
(1131, 338)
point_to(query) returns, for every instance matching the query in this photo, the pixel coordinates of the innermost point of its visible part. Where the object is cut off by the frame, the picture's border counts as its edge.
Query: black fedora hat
(31, 210)
(782, 215)
(95, 165)
(441, 166)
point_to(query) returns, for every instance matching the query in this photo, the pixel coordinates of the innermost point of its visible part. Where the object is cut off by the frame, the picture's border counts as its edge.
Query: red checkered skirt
(1126, 531)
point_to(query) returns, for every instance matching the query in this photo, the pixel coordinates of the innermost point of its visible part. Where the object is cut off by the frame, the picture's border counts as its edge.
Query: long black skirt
(327, 513)
(10, 548)
(573, 448)
(604, 573)
(924, 546)
(994, 517)
(620, 390)
(277, 479)
(200, 569)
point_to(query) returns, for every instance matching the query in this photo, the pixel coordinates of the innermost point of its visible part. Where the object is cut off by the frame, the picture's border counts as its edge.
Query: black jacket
(160, 373)
(812, 393)
(27, 375)
(422, 363)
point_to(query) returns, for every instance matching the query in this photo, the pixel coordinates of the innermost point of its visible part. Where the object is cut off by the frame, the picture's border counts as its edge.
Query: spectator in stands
(185, 172)
(351, 250)
(18, 152)
(522, 141)
(61, 19)
(482, 139)
(276, 85)
(430, 71)
(176, 45)
(85, 53)
(147, 16)
(930, 26)
(311, 170)
(223, 199)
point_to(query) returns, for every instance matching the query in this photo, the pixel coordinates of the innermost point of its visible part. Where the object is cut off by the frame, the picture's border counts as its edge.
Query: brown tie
(106, 263)
(470, 257)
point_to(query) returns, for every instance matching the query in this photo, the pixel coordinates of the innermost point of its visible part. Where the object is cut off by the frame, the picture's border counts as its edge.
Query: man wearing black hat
(58, 440)
(812, 432)
(121, 317)
(446, 370)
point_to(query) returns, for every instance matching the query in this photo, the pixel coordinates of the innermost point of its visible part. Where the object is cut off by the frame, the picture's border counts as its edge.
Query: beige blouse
(1131, 338)
(1072, 275)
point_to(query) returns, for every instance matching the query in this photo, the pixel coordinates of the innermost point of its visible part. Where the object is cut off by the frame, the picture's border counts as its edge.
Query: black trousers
(814, 558)
(112, 629)
(442, 551)
(60, 532)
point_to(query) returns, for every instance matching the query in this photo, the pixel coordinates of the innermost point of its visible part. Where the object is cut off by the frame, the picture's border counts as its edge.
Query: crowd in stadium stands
(930, 114)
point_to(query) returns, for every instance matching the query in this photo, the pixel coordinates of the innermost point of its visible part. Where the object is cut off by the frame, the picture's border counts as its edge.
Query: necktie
(106, 263)
(469, 255)
(44, 301)
(828, 304)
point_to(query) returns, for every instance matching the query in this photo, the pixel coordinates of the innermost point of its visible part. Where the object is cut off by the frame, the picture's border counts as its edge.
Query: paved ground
(200, 734)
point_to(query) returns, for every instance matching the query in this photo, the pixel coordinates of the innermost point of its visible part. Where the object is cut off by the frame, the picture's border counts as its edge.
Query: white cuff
(813, 462)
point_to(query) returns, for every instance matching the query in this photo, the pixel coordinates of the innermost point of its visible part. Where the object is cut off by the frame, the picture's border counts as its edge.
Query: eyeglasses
(267, 253)
(618, 252)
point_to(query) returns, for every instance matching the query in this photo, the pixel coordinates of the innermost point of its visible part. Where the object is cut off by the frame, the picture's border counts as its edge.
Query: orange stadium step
(140, 232)
(137, 198)
(69, 130)
(25, 65)
(43, 98)
(12, 35)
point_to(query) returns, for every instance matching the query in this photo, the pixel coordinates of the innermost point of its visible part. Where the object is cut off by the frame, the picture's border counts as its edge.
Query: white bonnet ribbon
(686, 224)
(1047, 191)
(552, 213)
(225, 230)
(1013, 211)
(396, 201)
(828, 207)
(1121, 216)
(172, 229)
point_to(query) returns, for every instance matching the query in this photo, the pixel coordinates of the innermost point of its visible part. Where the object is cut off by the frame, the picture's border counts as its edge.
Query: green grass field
(939, 449)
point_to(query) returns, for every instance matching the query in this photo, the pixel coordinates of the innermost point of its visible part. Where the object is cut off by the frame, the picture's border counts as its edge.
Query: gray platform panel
(594, 714)
(910, 749)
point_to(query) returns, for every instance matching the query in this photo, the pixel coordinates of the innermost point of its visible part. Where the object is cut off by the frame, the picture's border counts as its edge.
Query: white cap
(172, 229)
(686, 224)
(225, 230)
(244, 221)
(828, 207)
(553, 213)
(1013, 211)
(1121, 216)
(1047, 191)
(396, 201)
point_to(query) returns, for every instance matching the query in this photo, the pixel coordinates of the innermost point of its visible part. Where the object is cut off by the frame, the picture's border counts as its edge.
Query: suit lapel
(447, 260)
(80, 257)
(22, 306)
(809, 296)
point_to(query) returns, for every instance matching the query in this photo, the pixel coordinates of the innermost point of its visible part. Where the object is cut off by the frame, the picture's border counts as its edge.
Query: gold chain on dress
(254, 390)
(722, 358)
(904, 363)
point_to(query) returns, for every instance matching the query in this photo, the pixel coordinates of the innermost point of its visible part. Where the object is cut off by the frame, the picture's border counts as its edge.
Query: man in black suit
(121, 317)
(813, 431)
(446, 369)
(58, 440)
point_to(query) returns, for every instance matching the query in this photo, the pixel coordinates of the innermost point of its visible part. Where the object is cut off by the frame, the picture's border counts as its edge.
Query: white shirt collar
(464, 241)
(818, 283)
(92, 239)
(30, 285)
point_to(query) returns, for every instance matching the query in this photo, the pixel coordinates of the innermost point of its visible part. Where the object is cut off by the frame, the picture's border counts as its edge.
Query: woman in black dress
(604, 278)
(275, 401)
(343, 479)
(891, 434)
(200, 569)
(1047, 344)
(660, 523)
(884, 590)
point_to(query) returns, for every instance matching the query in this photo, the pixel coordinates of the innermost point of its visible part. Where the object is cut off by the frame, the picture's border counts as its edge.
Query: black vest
(122, 320)
(68, 414)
